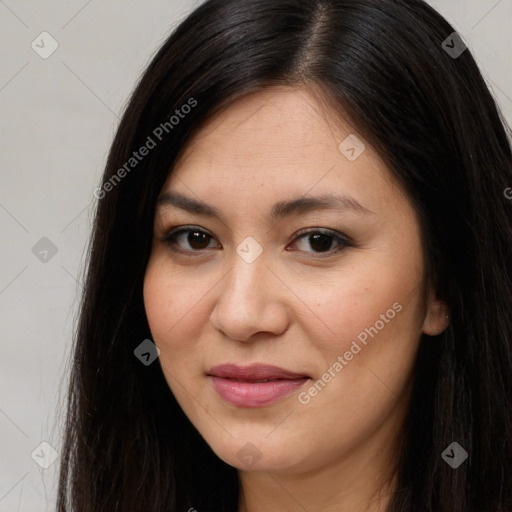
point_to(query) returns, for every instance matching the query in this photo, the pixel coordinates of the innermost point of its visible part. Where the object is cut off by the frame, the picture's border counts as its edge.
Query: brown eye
(196, 239)
(318, 243)
(321, 241)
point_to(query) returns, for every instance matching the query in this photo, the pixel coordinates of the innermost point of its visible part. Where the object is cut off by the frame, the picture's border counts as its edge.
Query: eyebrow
(280, 210)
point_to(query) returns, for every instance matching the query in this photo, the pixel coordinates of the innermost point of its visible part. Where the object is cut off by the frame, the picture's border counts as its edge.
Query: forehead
(274, 143)
(282, 124)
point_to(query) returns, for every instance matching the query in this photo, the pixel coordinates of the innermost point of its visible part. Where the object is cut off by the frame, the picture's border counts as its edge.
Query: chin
(259, 455)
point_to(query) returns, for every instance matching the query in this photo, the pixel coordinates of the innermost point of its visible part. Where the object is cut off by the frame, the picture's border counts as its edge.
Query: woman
(298, 289)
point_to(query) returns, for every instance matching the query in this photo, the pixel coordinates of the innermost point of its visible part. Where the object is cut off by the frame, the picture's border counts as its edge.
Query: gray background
(58, 116)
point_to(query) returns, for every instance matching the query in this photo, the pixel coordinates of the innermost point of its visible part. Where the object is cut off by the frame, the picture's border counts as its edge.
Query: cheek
(371, 318)
(162, 303)
(159, 303)
(367, 342)
(175, 309)
(352, 302)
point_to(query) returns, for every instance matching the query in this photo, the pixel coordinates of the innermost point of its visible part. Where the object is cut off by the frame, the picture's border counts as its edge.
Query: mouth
(254, 372)
(256, 385)
(254, 380)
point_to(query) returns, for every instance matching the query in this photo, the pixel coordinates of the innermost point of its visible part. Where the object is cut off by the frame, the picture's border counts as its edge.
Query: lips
(252, 373)
(256, 385)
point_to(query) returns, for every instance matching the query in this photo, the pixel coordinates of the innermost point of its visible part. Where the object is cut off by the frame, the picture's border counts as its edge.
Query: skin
(289, 308)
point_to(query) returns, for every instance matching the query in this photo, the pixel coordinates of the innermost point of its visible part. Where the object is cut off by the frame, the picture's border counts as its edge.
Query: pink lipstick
(256, 385)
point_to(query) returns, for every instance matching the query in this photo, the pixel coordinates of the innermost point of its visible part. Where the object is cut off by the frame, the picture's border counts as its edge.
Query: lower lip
(254, 394)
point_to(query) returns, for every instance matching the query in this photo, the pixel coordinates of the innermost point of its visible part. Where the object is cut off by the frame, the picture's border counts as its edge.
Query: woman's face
(330, 292)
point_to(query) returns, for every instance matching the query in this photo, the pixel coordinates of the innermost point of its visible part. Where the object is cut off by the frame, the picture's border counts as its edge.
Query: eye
(196, 238)
(318, 239)
(321, 240)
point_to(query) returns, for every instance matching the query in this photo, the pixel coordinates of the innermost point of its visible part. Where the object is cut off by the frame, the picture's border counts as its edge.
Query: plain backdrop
(58, 117)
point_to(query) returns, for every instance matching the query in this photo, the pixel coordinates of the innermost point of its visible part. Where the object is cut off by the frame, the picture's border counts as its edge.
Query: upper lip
(255, 371)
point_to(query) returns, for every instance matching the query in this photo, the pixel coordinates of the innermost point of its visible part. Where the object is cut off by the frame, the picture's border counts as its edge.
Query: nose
(251, 299)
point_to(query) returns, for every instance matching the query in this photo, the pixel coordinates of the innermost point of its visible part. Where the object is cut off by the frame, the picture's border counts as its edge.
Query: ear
(437, 316)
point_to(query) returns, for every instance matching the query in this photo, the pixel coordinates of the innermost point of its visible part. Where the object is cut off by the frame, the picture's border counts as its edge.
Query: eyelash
(344, 241)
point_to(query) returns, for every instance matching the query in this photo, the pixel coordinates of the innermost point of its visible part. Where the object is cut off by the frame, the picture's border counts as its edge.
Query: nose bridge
(248, 267)
(243, 285)
(245, 304)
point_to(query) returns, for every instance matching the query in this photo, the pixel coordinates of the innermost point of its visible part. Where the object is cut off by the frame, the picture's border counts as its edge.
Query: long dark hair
(128, 446)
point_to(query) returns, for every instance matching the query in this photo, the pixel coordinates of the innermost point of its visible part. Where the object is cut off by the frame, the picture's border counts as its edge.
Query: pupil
(197, 239)
(322, 242)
